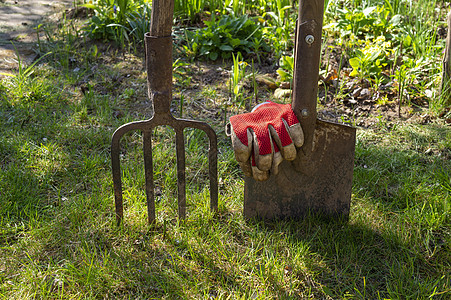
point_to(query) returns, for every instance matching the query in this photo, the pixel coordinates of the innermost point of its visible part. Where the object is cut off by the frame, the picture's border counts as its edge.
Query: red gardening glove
(264, 137)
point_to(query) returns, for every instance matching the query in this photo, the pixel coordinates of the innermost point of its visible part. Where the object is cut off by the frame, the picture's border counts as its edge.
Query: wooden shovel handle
(306, 65)
(161, 18)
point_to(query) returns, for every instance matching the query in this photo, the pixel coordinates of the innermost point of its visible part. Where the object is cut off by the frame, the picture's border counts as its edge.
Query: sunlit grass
(59, 239)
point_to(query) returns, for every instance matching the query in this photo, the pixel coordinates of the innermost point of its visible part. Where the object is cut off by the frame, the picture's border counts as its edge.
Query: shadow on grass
(43, 161)
(81, 251)
(414, 168)
(353, 258)
(395, 244)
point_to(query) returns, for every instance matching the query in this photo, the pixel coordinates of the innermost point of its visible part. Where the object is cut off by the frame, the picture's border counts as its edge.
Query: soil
(358, 105)
(356, 102)
(18, 21)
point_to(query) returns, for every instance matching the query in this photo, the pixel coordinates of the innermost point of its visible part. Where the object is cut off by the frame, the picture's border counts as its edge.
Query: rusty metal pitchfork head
(159, 79)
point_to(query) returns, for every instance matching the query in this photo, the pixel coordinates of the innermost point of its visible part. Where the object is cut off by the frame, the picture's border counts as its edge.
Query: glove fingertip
(259, 175)
(297, 134)
(264, 162)
(289, 152)
(242, 151)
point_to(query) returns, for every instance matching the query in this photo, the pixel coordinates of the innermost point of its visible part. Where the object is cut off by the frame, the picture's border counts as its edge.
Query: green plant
(286, 67)
(366, 22)
(128, 94)
(371, 60)
(225, 36)
(24, 73)
(278, 22)
(27, 87)
(181, 73)
(237, 77)
(279, 12)
(280, 39)
(110, 19)
(138, 21)
(189, 9)
(235, 7)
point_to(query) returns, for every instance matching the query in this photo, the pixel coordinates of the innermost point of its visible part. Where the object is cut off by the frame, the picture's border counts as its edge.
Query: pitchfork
(158, 44)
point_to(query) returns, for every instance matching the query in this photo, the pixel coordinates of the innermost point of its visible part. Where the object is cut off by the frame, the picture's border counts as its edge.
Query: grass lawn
(59, 240)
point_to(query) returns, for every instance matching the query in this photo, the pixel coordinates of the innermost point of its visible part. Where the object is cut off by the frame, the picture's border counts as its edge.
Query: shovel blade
(319, 182)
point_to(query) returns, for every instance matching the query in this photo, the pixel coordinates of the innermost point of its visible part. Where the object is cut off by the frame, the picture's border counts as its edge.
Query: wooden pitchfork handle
(161, 18)
(159, 64)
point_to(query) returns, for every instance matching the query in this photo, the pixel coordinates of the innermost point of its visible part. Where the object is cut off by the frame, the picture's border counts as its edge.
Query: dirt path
(18, 20)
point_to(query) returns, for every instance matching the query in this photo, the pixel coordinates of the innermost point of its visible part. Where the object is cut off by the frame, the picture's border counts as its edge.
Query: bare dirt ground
(18, 21)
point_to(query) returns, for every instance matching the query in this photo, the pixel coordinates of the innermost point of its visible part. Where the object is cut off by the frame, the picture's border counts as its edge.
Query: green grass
(59, 240)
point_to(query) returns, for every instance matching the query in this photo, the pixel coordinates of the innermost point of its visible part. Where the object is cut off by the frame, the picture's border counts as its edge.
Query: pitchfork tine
(181, 185)
(117, 181)
(116, 164)
(148, 168)
(212, 167)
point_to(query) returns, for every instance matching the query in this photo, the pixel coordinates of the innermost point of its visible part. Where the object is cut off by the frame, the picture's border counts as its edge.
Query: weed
(118, 19)
(25, 87)
(371, 60)
(139, 22)
(23, 73)
(286, 68)
(237, 74)
(190, 9)
(225, 36)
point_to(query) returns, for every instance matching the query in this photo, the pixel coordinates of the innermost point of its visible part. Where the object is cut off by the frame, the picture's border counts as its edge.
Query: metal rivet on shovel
(159, 80)
(319, 180)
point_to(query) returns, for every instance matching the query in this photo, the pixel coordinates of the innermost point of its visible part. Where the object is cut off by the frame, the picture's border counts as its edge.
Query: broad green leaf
(213, 55)
(226, 48)
(354, 62)
(283, 75)
(235, 42)
(354, 73)
(407, 41)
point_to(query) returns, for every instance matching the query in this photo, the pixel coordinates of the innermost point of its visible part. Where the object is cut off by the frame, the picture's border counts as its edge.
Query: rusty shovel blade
(318, 183)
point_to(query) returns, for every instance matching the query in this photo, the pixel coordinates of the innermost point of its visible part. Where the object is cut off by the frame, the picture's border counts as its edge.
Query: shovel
(319, 180)
(159, 79)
